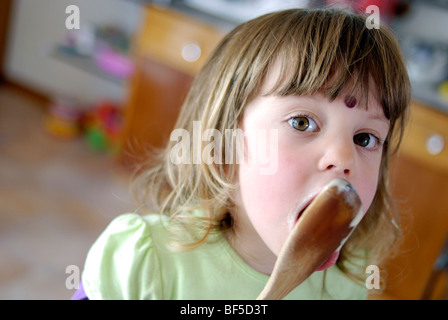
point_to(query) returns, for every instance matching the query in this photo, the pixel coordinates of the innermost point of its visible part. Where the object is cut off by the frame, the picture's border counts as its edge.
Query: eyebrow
(381, 120)
(378, 116)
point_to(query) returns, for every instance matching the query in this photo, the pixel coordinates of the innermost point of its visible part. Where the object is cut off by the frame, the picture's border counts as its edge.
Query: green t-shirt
(130, 260)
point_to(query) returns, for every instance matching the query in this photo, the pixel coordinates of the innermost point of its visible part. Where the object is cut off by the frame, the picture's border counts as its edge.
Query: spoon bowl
(322, 229)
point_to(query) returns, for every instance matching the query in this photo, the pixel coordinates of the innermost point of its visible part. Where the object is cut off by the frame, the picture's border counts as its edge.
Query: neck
(254, 253)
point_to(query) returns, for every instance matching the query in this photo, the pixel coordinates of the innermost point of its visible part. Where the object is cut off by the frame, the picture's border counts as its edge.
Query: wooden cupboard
(170, 49)
(420, 188)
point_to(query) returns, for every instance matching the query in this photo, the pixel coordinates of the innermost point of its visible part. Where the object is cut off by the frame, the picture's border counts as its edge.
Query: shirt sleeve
(123, 263)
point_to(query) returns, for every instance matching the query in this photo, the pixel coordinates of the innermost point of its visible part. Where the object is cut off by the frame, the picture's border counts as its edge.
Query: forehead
(367, 97)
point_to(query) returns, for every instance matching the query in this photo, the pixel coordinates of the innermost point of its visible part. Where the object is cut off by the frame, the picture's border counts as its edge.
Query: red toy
(104, 126)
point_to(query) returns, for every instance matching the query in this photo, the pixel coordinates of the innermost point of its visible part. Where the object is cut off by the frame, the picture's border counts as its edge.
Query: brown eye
(365, 140)
(303, 123)
(300, 123)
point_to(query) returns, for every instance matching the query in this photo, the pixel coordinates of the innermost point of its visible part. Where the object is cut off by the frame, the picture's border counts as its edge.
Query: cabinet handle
(435, 144)
(191, 52)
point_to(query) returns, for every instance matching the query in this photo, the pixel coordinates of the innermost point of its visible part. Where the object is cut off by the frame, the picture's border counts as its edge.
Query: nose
(338, 156)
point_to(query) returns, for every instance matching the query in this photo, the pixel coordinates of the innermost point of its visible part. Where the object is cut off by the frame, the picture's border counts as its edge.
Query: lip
(305, 203)
(301, 208)
(304, 206)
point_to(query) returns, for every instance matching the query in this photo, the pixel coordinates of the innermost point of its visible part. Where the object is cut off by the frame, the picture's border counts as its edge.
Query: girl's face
(318, 141)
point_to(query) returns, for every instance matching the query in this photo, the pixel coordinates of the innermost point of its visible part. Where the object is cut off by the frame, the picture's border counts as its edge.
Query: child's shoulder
(133, 226)
(131, 233)
(125, 249)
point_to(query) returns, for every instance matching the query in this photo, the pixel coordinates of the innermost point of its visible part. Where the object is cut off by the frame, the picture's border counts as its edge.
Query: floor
(56, 196)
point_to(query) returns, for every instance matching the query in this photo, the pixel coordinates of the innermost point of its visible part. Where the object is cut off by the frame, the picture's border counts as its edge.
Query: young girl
(327, 96)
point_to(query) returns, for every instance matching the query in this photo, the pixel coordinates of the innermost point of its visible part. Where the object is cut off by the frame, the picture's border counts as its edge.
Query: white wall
(38, 25)
(425, 21)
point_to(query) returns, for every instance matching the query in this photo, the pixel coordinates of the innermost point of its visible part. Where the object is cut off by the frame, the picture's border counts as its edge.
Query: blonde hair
(313, 46)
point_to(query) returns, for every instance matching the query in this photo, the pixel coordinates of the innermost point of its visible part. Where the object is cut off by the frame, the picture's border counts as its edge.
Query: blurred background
(82, 102)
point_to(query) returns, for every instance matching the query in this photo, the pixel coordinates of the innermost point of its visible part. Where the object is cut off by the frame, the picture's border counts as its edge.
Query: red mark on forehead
(350, 101)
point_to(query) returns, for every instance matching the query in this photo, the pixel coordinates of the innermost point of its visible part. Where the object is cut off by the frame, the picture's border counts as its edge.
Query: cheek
(268, 200)
(367, 194)
(261, 194)
(275, 185)
(367, 189)
(272, 188)
(262, 207)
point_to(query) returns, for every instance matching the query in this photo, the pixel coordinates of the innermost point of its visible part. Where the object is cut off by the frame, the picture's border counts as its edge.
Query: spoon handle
(322, 229)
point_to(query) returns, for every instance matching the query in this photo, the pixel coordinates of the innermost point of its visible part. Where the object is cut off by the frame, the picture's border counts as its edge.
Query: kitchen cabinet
(420, 188)
(169, 50)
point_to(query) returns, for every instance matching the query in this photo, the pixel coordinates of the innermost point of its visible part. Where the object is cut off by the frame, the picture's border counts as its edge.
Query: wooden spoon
(322, 229)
